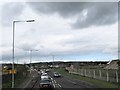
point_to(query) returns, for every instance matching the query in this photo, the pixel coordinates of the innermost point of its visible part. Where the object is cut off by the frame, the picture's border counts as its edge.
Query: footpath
(30, 80)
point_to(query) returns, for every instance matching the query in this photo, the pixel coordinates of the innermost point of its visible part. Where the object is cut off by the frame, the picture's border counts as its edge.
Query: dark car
(56, 74)
(46, 83)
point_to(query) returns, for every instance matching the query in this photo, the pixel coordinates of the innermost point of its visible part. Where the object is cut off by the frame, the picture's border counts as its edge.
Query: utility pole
(53, 60)
(118, 75)
(30, 59)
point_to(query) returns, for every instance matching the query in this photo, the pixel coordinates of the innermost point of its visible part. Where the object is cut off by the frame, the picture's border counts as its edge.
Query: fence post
(94, 73)
(89, 73)
(82, 73)
(117, 76)
(100, 73)
(107, 76)
(85, 72)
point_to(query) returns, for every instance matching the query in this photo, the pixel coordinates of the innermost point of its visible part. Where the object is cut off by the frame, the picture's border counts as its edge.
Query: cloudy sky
(68, 30)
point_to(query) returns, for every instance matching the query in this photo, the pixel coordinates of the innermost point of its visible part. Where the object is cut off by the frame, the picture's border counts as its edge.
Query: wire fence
(101, 74)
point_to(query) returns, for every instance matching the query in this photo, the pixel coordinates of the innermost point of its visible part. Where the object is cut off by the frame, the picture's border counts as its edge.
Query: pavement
(29, 82)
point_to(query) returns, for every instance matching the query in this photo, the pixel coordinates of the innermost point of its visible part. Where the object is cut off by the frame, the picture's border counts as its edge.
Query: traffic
(46, 81)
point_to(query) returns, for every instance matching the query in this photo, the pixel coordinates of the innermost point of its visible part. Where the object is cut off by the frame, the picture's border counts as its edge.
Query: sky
(69, 31)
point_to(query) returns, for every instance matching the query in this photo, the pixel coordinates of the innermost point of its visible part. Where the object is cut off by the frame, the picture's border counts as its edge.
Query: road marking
(52, 81)
(55, 81)
(59, 85)
(54, 85)
(51, 78)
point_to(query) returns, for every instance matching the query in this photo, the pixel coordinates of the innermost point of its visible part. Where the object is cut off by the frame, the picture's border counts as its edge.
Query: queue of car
(46, 83)
(45, 80)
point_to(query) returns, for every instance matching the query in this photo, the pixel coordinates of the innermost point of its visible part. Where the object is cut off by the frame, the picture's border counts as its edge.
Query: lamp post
(31, 58)
(53, 60)
(13, 47)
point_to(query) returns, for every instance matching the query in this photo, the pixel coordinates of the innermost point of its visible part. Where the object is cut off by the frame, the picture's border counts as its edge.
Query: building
(112, 64)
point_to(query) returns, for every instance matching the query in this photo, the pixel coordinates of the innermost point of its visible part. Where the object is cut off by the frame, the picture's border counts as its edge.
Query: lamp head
(30, 20)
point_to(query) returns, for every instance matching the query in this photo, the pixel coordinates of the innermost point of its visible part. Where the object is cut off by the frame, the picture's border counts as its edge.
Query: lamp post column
(13, 54)
(30, 59)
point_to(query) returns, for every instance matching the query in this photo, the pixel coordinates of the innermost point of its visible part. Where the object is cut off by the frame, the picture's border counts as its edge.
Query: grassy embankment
(20, 76)
(99, 83)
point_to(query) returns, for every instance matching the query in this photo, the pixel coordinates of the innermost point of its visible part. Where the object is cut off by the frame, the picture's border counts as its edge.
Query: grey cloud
(65, 9)
(26, 46)
(11, 11)
(8, 57)
(104, 13)
(99, 14)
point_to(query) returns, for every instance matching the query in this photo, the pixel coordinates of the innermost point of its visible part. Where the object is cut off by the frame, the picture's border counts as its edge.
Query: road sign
(12, 71)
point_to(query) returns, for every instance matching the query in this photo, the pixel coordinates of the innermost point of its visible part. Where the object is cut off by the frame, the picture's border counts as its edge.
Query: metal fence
(101, 74)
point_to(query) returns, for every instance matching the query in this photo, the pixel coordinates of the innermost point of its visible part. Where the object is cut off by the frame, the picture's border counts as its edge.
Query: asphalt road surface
(67, 82)
(63, 82)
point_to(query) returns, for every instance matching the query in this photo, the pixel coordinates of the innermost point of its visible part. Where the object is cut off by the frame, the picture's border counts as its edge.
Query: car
(47, 70)
(46, 83)
(42, 71)
(44, 76)
(56, 74)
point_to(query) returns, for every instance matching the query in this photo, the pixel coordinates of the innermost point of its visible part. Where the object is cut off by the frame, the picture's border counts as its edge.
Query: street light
(30, 20)
(31, 58)
(13, 47)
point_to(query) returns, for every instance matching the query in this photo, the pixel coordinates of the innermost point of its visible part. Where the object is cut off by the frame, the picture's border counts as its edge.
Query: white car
(44, 76)
(56, 74)
(42, 71)
(47, 70)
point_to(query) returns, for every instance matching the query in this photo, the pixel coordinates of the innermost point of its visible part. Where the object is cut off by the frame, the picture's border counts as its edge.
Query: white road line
(51, 78)
(54, 85)
(59, 85)
(55, 81)
(52, 82)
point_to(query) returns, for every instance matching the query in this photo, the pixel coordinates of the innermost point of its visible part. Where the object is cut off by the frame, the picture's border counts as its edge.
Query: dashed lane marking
(55, 81)
(54, 85)
(59, 85)
(52, 81)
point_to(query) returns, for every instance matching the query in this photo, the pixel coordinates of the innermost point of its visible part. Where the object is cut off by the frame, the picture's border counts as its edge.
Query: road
(63, 82)
(67, 82)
